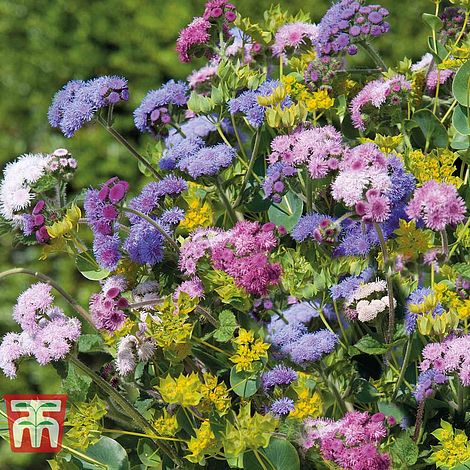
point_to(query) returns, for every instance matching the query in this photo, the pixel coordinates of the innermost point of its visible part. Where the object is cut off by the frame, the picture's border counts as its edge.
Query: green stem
(121, 139)
(237, 135)
(445, 244)
(249, 170)
(125, 406)
(334, 389)
(154, 224)
(308, 192)
(374, 55)
(225, 200)
(404, 366)
(338, 318)
(459, 238)
(42, 277)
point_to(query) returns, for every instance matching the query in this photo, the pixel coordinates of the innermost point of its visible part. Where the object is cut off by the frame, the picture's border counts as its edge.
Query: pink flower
(293, 36)
(194, 35)
(438, 204)
(376, 93)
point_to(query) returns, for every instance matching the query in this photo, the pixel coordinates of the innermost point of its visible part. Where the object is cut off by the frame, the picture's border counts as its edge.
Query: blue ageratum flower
(156, 109)
(282, 406)
(145, 244)
(78, 101)
(208, 161)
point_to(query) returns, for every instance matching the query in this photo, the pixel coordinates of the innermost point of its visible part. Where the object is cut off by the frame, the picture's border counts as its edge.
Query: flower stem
(339, 399)
(225, 200)
(419, 420)
(125, 406)
(154, 224)
(374, 55)
(249, 170)
(121, 139)
(42, 277)
(445, 244)
(404, 366)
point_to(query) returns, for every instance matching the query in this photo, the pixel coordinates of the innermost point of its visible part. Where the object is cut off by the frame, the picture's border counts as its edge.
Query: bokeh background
(45, 43)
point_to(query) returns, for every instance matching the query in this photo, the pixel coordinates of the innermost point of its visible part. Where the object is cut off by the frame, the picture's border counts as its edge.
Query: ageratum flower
(278, 375)
(77, 102)
(319, 227)
(47, 333)
(377, 94)
(207, 161)
(158, 108)
(438, 204)
(291, 37)
(348, 22)
(282, 406)
(273, 184)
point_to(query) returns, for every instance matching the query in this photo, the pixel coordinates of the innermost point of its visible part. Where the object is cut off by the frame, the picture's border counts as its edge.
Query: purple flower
(273, 184)
(193, 39)
(346, 23)
(184, 148)
(77, 102)
(345, 288)
(292, 36)
(311, 347)
(208, 161)
(278, 375)
(106, 249)
(155, 111)
(319, 227)
(282, 406)
(427, 381)
(144, 244)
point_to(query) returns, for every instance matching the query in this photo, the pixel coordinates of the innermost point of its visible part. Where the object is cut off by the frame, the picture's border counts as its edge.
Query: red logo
(36, 422)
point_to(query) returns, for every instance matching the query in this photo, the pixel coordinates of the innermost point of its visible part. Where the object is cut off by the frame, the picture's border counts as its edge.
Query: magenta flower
(194, 38)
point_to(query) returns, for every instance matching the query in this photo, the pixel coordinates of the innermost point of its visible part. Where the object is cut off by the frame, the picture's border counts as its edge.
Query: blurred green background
(45, 43)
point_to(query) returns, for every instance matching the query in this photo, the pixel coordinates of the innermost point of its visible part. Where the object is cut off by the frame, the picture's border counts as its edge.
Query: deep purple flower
(144, 244)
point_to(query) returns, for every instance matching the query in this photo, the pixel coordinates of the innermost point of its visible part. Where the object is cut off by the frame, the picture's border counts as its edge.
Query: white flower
(18, 176)
(365, 290)
(424, 62)
(368, 310)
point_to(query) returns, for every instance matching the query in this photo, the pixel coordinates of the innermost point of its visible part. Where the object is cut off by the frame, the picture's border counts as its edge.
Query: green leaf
(109, 453)
(369, 345)
(433, 21)
(228, 324)
(460, 142)
(391, 409)
(287, 212)
(90, 343)
(148, 453)
(460, 84)
(90, 269)
(363, 391)
(279, 455)
(404, 452)
(244, 384)
(460, 120)
(431, 132)
(463, 269)
(43, 184)
(76, 384)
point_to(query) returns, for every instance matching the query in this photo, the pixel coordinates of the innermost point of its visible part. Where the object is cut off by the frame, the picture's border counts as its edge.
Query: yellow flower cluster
(437, 165)
(199, 213)
(166, 425)
(451, 300)
(203, 443)
(249, 350)
(300, 63)
(63, 227)
(184, 390)
(453, 448)
(308, 404)
(313, 100)
(386, 143)
(215, 394)
(411, 242)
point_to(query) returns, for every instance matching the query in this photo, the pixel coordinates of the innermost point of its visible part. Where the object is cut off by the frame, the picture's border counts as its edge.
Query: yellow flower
(453, 447)
(203, 443)
(307, 404)
(199, 213)
(185, 390)
(216, 393)
(319, 100)
(248, 351)
(166, 425)
(411, 241)
(63, 227)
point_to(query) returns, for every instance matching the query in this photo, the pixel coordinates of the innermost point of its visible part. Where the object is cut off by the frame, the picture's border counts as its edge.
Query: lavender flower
(312, 347)
(208, 161)
(144, 244)
(158, 106)
(278, 375)
(347, 23)
(319, 227)
(184, 148)
(78, 101)
(273, 184)
(106, 249)
(282, 406)
(427, 381)
(346, 288)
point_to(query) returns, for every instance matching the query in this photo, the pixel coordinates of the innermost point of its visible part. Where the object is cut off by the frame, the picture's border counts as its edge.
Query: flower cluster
(78, 101)
(351, 442)
(47, 333)
(293, 36)
(347, 23)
